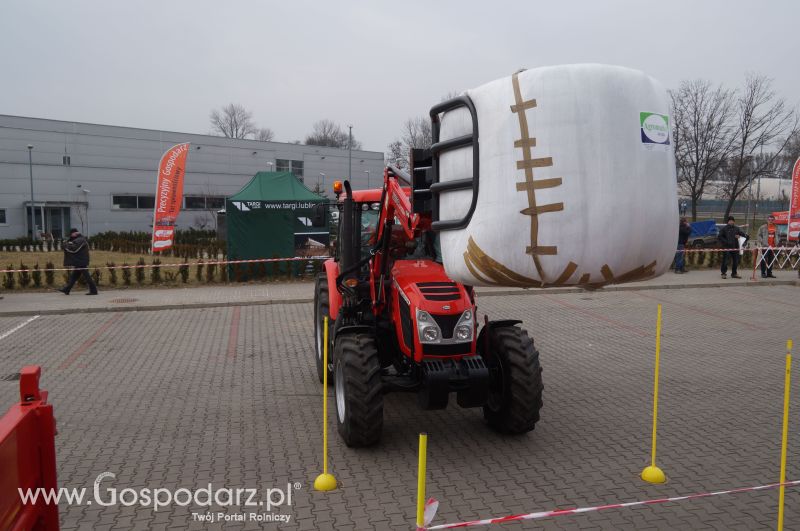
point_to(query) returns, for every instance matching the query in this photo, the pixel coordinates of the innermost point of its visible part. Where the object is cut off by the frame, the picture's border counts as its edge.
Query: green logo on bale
(655, 128)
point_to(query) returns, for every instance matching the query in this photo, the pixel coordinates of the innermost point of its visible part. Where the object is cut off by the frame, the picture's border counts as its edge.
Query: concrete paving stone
(157, 400)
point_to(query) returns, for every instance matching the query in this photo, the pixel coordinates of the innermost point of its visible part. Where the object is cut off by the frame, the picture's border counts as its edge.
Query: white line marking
(6, 334)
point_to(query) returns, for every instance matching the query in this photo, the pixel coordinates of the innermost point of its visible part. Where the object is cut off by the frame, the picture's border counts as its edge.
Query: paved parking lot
(229, 396)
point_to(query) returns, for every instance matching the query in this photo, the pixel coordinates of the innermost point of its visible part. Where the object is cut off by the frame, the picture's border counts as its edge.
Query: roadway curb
(551, 291)
(154, 308)
(496, 293)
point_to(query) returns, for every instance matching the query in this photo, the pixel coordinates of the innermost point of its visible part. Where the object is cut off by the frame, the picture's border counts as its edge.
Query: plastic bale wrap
(577, 180)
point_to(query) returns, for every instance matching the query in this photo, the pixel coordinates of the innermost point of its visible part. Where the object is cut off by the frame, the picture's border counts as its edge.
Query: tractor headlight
(430, 333)
(463, 333)
(464, 327)
(427, 328)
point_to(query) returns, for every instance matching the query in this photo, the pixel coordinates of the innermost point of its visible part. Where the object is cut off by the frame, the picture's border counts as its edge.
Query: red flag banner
(169, 196)
(794, 205)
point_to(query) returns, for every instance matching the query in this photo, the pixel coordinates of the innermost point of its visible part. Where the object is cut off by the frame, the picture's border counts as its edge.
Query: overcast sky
(166, 64)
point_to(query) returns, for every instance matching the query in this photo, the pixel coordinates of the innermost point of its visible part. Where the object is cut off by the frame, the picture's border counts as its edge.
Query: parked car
(704, 234)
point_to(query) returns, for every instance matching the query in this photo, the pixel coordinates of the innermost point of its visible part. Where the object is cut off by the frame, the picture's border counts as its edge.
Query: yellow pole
(325, 398)
(655, 386)
(653, 474)
(423, 450)
(325, 481)
(785, 433)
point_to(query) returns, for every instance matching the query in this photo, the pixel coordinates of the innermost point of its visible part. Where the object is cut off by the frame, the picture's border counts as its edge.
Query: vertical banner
(169, 196)
(794, 205)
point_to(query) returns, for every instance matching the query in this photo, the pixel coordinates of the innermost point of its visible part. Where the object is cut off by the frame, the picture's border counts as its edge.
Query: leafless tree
(764, 124)
(201, 221)
(702, 134)
(81, 211)
(233, 121)
(330, 134)
(208, 218)
(790, 155)
(394, 155)
(265, 134)
(416, 134)
(450, 95)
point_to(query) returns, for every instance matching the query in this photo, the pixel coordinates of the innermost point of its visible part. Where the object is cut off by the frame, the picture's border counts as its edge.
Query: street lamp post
(33, 204)
(350, 153)
(85, 191)
(270, 166)
(367, 172)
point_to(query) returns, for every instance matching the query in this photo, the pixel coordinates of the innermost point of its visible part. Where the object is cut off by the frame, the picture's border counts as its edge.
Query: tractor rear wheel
(322, 310)
(358, 390)
(515, 393)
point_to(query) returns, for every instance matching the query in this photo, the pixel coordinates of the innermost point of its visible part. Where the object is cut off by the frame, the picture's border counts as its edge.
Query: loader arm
(396, 208)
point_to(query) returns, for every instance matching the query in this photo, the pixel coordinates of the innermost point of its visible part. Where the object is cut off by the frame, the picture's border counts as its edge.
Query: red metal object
(408, 276)
(405, 275)
(28, 457)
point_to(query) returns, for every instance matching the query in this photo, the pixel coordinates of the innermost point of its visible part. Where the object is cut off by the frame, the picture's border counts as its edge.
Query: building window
(194, 203)
(294, 166)
(297, 169)
(123, 201)
(65, 160)
(141, 202)
(215, 202)
(3, 216)
(147, 201)
(201, 202)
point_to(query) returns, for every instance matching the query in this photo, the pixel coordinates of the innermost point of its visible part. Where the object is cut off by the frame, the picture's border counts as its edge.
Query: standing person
(729, 240)
(683, 207)
(76, 255)
(767, 254)
(684, 230)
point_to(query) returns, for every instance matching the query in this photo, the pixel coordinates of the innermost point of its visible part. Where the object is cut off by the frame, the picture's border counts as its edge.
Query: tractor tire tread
(362, 375)
(324, 306)
(524, 401)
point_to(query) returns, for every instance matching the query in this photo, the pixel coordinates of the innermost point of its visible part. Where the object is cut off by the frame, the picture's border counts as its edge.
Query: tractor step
(467, 377)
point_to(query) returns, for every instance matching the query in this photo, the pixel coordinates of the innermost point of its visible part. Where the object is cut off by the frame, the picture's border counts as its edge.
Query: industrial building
(102, 178)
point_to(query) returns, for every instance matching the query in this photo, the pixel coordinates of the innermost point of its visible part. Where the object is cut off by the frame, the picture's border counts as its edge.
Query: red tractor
(398, 323)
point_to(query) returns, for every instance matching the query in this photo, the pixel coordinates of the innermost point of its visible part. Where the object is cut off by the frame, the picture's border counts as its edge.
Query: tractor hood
(425, 285)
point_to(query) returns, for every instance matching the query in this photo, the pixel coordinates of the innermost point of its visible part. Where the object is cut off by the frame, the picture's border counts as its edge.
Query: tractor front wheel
(515, 392)
(358, 391)
(322, 310)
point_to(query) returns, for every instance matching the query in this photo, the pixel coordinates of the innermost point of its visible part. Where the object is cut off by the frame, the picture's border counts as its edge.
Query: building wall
(108, 160)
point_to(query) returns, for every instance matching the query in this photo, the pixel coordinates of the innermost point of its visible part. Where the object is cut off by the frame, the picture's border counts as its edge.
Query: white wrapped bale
(577, 180)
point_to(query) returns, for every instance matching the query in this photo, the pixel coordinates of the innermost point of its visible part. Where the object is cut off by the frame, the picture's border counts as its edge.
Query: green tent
(273, 216)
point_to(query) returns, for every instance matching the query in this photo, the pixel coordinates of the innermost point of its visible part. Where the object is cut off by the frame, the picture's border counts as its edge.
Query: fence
(201, 271)
(785, 258)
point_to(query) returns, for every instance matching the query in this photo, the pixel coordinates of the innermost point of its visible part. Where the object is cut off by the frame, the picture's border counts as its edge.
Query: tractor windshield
(426, 245)
(369, 229)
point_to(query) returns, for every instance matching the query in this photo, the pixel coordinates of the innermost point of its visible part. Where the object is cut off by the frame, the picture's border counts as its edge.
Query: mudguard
(334, 297)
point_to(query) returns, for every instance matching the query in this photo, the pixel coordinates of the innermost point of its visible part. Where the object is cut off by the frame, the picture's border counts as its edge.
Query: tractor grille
(439, 291)
(446, 323)
(453, 349)
(406, 324)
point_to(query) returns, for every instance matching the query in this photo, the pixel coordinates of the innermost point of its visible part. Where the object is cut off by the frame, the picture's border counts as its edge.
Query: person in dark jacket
(684, 230)
(729, 239)
(76, 255)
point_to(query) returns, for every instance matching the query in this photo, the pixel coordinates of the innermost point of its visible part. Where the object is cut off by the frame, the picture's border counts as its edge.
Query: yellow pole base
(653, 474)
(325, 482)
